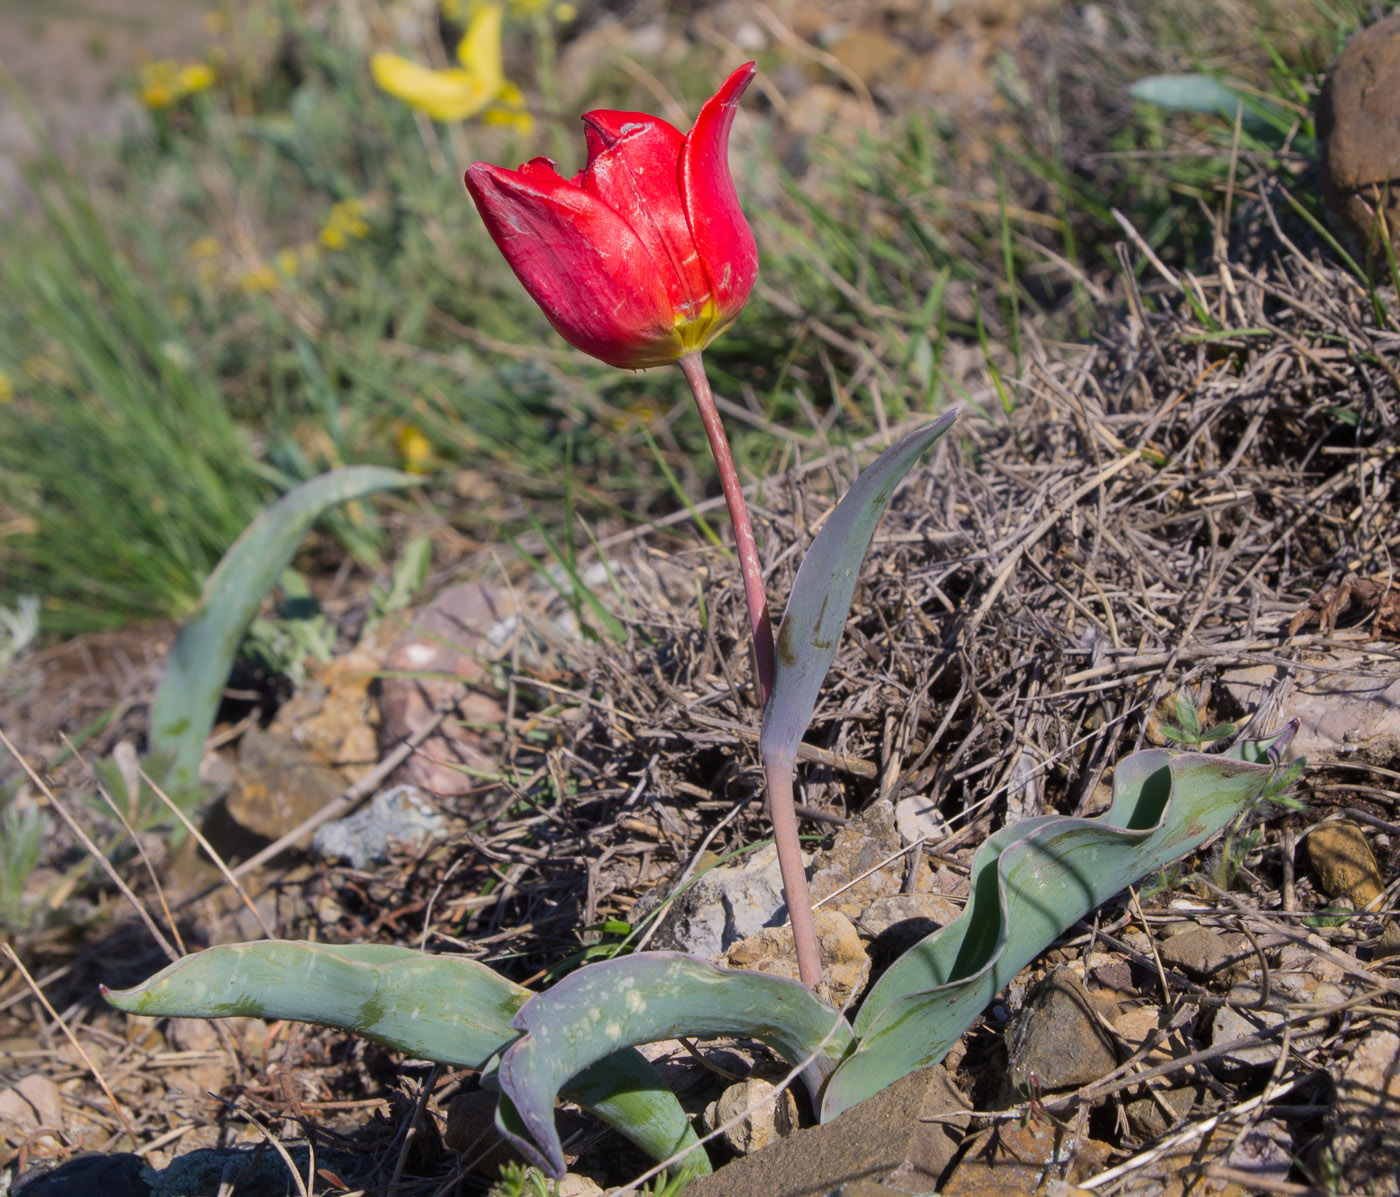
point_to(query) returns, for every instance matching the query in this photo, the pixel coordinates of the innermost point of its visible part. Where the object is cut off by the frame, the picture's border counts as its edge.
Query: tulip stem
(782, 808)
(759, 623)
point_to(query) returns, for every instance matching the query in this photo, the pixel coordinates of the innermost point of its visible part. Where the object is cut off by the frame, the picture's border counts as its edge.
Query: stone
(1358, 129)
(1139, 1025)
(401, 815)
(1150, 1121)
(1203, 953)
(1265, 1152)
(898, 922)
(1347, 708)
(904, 1137)
(1020, 1159)
(918, 818)
(752, 1116)
(1238, 1019)
(724, 906)
(278, 785)
(1057, 1041)
(440, 663)
(845, 965)
(471, 1132)
(1342, 860)
(1365, 1144)
(118, 1175)
(866, 843)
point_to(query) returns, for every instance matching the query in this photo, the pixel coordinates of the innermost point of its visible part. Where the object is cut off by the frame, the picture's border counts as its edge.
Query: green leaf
(188, 698)
(642, 998)
(444, 1008)
(1029, 882)
(1205, 94)
(822, 591)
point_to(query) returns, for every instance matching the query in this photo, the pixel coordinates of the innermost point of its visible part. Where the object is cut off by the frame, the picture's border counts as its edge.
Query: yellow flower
(204, 247)
(157, 83)
(164, 82)
(288, 262)
(193, 77)
(346, 221)
(259, 279)
(456, 93)
(415, 449)
(509, 109)
(7, 388)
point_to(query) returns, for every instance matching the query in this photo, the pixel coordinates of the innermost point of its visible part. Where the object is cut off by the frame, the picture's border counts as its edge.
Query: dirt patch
(73, 62)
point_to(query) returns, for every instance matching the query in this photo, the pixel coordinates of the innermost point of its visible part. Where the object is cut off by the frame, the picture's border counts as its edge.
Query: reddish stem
(759, 623)
(782, 808)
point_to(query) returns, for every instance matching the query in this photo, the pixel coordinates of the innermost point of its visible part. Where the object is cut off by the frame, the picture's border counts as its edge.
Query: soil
(74, 63)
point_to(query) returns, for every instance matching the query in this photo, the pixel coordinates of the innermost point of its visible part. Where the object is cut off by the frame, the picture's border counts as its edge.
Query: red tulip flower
(644, 257)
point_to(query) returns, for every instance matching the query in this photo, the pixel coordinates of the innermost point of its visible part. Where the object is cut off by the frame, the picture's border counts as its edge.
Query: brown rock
(1019, 1159)
(1358, 127)
(900, 921)
(1342, 860)
(434, 665)
(759, 1115)
(1148, 1117)
(279, 785)
(1347, 710)
(845, 966)
(334, 714)
(903, 1137)
(1204, 953)
(1057, 1041)
(1365, 1148)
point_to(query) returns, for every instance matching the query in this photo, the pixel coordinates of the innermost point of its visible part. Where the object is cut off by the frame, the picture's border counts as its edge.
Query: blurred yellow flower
(7, 388)
(163, 82)
(193, 77)
(259, 280)
(456, 93)
(415, 449)
(345, 222)
(288, 262)
(204, 247)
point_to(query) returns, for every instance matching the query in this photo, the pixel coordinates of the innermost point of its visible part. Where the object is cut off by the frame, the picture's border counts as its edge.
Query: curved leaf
(1029, 882)
(188, 698)
(444, 1008)
(642, 998)
(822, 591)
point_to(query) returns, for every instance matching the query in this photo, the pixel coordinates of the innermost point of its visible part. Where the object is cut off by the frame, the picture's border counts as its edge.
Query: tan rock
(845, 965)
(1342, 860)
(754, 1115)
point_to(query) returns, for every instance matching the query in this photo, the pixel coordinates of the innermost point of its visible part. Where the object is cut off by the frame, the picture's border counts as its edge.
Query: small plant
(642, 260)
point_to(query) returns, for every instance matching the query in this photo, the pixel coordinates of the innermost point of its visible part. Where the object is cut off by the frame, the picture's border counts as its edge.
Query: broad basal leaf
(640, 999)
(1029, 882)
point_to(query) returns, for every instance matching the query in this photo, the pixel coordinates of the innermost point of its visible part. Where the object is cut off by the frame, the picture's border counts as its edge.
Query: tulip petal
(450, 95)
(580, 261)
(632, 168)
(722, 235)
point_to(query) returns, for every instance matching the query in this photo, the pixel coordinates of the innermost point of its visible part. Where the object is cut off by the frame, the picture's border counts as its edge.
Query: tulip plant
(642, 259)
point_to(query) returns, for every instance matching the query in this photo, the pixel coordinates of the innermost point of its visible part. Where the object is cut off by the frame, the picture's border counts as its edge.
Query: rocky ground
(1175, 512)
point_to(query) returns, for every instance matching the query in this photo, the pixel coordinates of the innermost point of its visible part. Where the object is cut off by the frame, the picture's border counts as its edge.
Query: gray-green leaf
(188, 697)
(642, 998)
(822, 591)
(1029, 882)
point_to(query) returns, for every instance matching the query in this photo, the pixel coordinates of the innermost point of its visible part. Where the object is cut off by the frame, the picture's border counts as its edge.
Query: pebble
(401, 815)
(845, 964)
(1342, 860)
(758, 1118)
